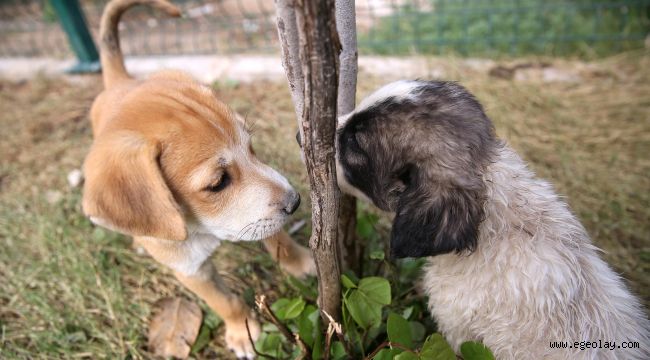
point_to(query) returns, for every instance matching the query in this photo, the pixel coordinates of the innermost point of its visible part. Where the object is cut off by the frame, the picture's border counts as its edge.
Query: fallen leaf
(174, 328)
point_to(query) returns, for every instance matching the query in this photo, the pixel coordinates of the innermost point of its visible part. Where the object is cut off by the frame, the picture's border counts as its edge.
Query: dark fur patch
(422, 157)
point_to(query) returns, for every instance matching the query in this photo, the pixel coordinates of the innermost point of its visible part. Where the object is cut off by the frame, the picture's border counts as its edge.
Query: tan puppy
(174, 167)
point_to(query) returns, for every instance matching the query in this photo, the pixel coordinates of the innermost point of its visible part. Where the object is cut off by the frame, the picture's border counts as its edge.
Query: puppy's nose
(292, 203)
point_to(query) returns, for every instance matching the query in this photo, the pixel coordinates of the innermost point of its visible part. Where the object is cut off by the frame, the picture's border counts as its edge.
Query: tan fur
(159, 145)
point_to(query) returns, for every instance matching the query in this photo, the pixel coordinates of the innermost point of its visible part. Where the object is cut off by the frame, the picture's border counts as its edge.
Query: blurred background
(486, 28)
(566, 83)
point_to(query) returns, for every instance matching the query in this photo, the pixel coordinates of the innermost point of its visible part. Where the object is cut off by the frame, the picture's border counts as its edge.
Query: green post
(74, 24)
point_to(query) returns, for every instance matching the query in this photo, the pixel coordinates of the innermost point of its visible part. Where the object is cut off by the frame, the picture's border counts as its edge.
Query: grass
(70, 290)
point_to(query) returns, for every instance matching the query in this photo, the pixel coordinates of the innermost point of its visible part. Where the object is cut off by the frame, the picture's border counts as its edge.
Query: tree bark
(319, 54)
(290, 45)
(318, 48)
(351, 248)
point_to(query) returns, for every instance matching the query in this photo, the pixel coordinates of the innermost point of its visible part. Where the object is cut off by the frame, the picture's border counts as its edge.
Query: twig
(338, 329)
(263, 306)
(305, 354)
(386, 344)
(250, 338)
(328, 340)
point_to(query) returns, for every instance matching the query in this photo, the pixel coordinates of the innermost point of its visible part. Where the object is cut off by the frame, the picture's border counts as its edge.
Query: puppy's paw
(237, 339)
(301, 265)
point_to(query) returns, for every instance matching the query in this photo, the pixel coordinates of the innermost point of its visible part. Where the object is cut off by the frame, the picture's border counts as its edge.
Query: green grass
(71, 290)
(568, 28)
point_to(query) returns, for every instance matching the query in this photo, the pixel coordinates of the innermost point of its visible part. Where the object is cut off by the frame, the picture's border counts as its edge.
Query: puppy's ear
(428, 226)
(125, 191)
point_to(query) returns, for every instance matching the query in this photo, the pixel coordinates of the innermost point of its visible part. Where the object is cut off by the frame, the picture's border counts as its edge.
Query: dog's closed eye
(352, 141)
(223, 181)
(405, 174)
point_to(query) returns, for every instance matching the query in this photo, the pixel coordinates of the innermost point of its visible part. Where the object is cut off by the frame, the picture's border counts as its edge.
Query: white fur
(402, 89)
(193, 251)
(534, 278)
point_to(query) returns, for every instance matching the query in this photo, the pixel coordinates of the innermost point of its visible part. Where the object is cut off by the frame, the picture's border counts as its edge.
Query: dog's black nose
(293, 201)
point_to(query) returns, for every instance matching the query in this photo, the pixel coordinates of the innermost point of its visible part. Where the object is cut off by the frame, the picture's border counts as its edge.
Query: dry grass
(71, 290)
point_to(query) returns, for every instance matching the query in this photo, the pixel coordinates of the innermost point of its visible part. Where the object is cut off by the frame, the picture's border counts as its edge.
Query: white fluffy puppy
(509, 264)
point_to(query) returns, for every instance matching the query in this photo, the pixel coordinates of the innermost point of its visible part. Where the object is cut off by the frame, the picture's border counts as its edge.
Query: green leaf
(387, 354)
(270, 344)
(249, 296)
(347, 282)
(279, 307)
(408, 269)
(337, 351)
(268, 327)
(307, 324)
(406, 356)
(307, 288)
(317, 349)
(377, 289)
(417, 330)
(211, 319)
(377, 255)
(286, 309)
(472, 350)
(366, 225)
(364, 311)
(366, 302)
(294, 308)
(399, 330)
(437, 348)
(203, 339)
(406, 313)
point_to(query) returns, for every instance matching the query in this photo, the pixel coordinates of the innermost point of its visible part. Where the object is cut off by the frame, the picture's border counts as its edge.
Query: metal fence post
(74, 24)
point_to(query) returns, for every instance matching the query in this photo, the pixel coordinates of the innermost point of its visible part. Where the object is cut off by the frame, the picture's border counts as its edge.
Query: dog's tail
(111, 56)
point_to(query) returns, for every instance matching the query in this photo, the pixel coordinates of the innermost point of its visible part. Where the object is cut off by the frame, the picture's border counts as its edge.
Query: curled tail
(113, 70)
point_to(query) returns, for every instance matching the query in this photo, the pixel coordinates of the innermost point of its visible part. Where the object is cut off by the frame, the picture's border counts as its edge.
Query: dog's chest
(454, 290)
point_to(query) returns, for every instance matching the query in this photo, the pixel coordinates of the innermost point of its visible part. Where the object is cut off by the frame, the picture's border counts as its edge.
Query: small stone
(53, 196)
(75, 178)
(140, 250)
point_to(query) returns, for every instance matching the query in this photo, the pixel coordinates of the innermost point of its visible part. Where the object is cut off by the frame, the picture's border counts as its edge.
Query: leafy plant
(381, 319)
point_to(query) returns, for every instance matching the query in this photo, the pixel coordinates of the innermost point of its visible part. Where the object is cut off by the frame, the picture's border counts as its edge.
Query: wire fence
(581, 28)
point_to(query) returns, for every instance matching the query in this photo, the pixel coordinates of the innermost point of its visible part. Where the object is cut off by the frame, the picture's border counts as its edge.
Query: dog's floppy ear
(428, 225)
(125, 191)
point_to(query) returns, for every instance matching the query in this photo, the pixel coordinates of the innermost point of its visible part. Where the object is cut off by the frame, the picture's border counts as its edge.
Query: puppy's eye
(223, 182)
(405, 174)
(352, 142)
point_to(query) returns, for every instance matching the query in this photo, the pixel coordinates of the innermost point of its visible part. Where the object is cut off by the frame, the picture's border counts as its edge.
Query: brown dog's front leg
(207, 284)
(292, 257)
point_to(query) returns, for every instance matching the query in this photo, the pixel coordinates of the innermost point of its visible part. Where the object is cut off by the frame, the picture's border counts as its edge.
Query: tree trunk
(351, 248)
(319, 51)
(318, 48)
(312, 50)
